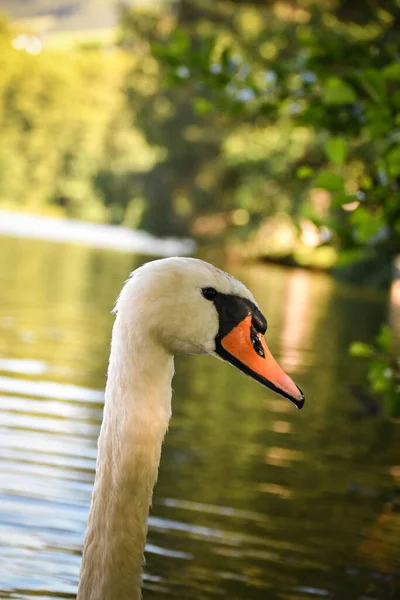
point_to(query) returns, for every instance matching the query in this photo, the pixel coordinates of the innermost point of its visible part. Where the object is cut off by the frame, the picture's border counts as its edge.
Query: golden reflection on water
(301, 312)
(282, 457)
(254, 500)
(274, 488)
(281, 427)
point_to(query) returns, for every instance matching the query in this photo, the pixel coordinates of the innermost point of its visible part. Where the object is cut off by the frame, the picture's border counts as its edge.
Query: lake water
(255, 500)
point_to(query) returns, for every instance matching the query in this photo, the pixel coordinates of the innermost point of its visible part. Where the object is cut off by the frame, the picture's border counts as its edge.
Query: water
(255, 500)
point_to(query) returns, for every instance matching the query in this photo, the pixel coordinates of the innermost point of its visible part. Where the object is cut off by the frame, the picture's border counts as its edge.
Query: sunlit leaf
(304, 172)
(178, 42)
(336, 150)
(384, 338)
(329, 181)
(392, 72)
(367, 225)
(203, 106)
(337, 92)
(361, 349)
(379, 375)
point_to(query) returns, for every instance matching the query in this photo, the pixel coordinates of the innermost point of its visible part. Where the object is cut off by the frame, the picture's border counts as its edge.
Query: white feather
(159, 312)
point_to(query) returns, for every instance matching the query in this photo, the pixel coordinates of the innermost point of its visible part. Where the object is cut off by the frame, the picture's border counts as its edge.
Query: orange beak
(246, 349)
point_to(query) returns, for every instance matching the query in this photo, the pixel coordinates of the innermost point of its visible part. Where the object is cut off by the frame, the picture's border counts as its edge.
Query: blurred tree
(309, 95)
(67, 146)
(211, 165)
(322, 75)
(238, 110)
(186, 181)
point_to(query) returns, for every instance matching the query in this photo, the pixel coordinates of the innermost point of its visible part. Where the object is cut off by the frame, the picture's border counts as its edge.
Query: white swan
(167, 306)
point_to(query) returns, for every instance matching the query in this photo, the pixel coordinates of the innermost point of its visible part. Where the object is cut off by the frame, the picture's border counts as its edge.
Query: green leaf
(337, 92)
(366, 225)
(336, 150)
(203, 106)
(379, 376)
(340, 198)
(374, 84)
(304, 172)
(329, 181)
(178, 42)
(384, 338)
(361, 349)
(392, 72)
(393, 161)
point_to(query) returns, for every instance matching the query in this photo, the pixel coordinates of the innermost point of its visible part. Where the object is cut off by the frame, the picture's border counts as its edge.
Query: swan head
(189, 306)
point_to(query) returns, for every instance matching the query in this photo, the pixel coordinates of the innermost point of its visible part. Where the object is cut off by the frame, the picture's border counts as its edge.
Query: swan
(167, 306)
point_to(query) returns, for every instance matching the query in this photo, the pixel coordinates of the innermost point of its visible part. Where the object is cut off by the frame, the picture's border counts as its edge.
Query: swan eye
(255, 340)
(209, 293)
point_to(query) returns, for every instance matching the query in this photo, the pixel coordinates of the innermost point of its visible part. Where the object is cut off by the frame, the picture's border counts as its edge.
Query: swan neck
(136, 415)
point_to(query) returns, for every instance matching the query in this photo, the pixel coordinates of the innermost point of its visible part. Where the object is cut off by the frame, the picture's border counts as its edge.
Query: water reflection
(254, 500)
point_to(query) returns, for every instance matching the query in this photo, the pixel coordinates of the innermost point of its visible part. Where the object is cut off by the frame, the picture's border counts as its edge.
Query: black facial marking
(258, 321)
(233, 309)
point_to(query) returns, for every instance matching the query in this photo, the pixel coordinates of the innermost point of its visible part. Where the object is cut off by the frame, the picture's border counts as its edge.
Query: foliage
(212, 167)
(68, 146)
(308, 94)
(383, 368)
(234, 112)
(309, 68)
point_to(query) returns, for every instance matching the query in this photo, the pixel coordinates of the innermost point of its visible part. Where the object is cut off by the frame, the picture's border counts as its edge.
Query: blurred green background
(268, 129)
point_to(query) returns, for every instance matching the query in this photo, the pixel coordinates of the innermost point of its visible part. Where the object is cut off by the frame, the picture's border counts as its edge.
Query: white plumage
(161, 311)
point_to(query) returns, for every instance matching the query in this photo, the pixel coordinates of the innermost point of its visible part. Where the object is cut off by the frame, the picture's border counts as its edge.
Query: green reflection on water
(254, 499)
